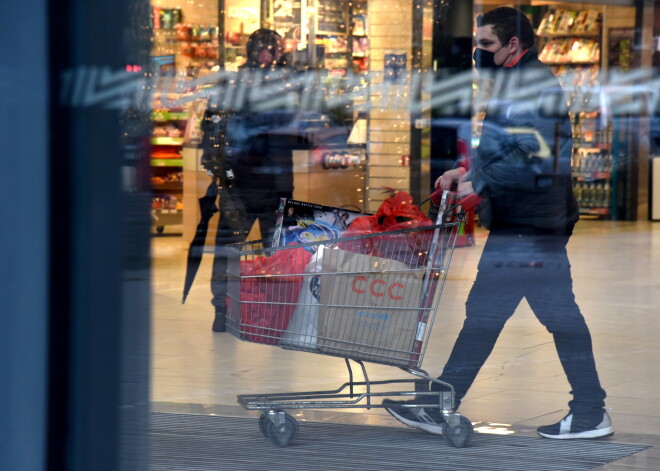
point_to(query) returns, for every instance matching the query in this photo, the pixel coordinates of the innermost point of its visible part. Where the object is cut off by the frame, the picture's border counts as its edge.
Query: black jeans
(525, 262)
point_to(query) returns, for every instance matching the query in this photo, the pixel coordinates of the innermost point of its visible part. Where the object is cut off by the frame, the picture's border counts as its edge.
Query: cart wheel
(284, 434)
(458, 435)
(160, 229)
(264, 424)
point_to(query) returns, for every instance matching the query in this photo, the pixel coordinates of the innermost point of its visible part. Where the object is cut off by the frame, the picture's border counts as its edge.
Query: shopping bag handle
(468, 203)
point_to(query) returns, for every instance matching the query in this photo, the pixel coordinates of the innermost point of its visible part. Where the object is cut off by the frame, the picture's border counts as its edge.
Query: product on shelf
(167, 203)
(571, 77)
(360, 46)
(168, 178)
(197, 41)
(166, 18)
(569, 22)
(593, 197)
(331, 16)
(359, 25)
(169, 130)
(571, 50)
(572, 45)
(333, 44)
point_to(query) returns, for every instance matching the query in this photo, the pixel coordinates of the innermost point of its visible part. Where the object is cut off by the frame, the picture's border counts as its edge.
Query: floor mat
(201, 442)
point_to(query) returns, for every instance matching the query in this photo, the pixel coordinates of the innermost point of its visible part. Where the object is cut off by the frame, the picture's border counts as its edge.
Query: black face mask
(484, 59)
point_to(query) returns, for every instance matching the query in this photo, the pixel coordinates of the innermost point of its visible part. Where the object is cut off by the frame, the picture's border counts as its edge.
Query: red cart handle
(468, 203)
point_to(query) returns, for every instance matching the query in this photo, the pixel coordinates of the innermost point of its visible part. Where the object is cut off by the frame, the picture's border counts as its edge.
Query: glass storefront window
(190, 142)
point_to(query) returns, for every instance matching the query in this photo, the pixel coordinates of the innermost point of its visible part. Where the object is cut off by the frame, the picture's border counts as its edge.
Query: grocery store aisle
(616, 272)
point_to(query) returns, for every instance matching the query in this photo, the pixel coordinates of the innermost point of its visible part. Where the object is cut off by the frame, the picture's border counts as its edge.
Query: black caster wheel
(160, 229)
(284, 434)
(264, 424)
(459, 435)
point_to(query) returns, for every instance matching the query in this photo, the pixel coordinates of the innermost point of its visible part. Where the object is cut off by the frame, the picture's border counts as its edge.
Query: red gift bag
(395, 213)
(269, 291)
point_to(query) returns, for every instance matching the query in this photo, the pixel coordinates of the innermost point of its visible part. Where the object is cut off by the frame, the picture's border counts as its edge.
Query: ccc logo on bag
(378, 288)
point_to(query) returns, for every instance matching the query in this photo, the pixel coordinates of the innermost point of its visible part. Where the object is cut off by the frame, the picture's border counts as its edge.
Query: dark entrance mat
(202, 442)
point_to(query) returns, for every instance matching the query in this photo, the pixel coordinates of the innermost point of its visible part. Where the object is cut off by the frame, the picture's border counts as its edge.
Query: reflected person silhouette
(244, 150)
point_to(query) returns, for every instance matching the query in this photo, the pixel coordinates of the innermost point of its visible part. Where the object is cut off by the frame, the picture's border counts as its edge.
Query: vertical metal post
(644, 27)
(264, 14)
(311, 36)
(222, 50)
(418, 187)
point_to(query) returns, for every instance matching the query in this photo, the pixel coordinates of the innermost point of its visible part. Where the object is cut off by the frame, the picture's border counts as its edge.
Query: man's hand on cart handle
(450, 178)
(469, 199)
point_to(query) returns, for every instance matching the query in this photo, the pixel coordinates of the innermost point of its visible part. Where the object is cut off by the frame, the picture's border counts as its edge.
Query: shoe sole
(434, 429)
(591, 434)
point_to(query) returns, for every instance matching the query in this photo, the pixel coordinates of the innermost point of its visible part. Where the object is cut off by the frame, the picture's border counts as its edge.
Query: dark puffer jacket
(525, 183)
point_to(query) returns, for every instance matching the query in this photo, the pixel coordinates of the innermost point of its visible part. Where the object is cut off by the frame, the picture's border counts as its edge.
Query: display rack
(339, 30)
(360, 36)
(570, 42)
(180, 48)
(167, 165)
(333, 34)
(592, 164)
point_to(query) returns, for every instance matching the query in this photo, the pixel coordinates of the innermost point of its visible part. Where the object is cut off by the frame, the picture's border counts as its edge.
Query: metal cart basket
(368, 298)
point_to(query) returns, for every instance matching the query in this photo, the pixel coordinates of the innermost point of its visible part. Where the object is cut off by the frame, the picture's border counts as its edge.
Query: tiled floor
(616, 271)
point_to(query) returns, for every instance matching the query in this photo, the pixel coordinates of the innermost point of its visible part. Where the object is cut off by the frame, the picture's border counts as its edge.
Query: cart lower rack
(368, 298)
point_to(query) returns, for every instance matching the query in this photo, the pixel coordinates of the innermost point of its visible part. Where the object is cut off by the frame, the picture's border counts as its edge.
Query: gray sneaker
(416, 415)
(579, 426)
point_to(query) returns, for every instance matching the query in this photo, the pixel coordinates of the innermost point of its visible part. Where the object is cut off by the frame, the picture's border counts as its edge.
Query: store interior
(587, 44)
(190, 44)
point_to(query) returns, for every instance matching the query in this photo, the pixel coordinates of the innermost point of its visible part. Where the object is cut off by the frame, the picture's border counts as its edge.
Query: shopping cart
(366, 298)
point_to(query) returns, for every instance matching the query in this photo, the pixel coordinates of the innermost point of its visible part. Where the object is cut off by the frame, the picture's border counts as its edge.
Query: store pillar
(23, 236)
(99, 231)
(644, 43)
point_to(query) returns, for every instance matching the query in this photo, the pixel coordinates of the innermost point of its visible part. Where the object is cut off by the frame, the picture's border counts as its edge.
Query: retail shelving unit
(332, 31)
(181, 48)
(338, 29)
(571, 43)
(359, 39)
(167, 166)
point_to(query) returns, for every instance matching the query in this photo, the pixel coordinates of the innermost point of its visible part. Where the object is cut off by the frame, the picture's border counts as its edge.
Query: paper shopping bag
(369, 308)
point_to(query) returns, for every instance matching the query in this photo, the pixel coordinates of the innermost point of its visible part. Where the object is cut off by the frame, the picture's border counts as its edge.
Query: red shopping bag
(269, 291)
(395, 213)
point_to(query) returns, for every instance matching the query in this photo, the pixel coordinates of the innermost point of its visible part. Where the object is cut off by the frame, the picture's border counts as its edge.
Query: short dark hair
(507, 23)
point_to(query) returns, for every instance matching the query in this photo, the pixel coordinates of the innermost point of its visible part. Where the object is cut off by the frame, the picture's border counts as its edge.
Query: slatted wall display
(390, 33)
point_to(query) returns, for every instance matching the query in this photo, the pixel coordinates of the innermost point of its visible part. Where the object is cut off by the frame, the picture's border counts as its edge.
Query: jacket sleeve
(505, 163)
(513, 161)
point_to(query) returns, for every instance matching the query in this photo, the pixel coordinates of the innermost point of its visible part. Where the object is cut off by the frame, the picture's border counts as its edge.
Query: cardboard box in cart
(368, 308)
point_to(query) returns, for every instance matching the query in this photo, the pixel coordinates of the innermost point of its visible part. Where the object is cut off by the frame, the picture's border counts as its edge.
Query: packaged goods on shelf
(569, 22)
(359, 25)
(360, 46)
(577, 76)
(593, 197)
(565, 23)
(166, 18)
(570, 50)
(166, 203)
(333, 44)
(168, 130)
(168, 178)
